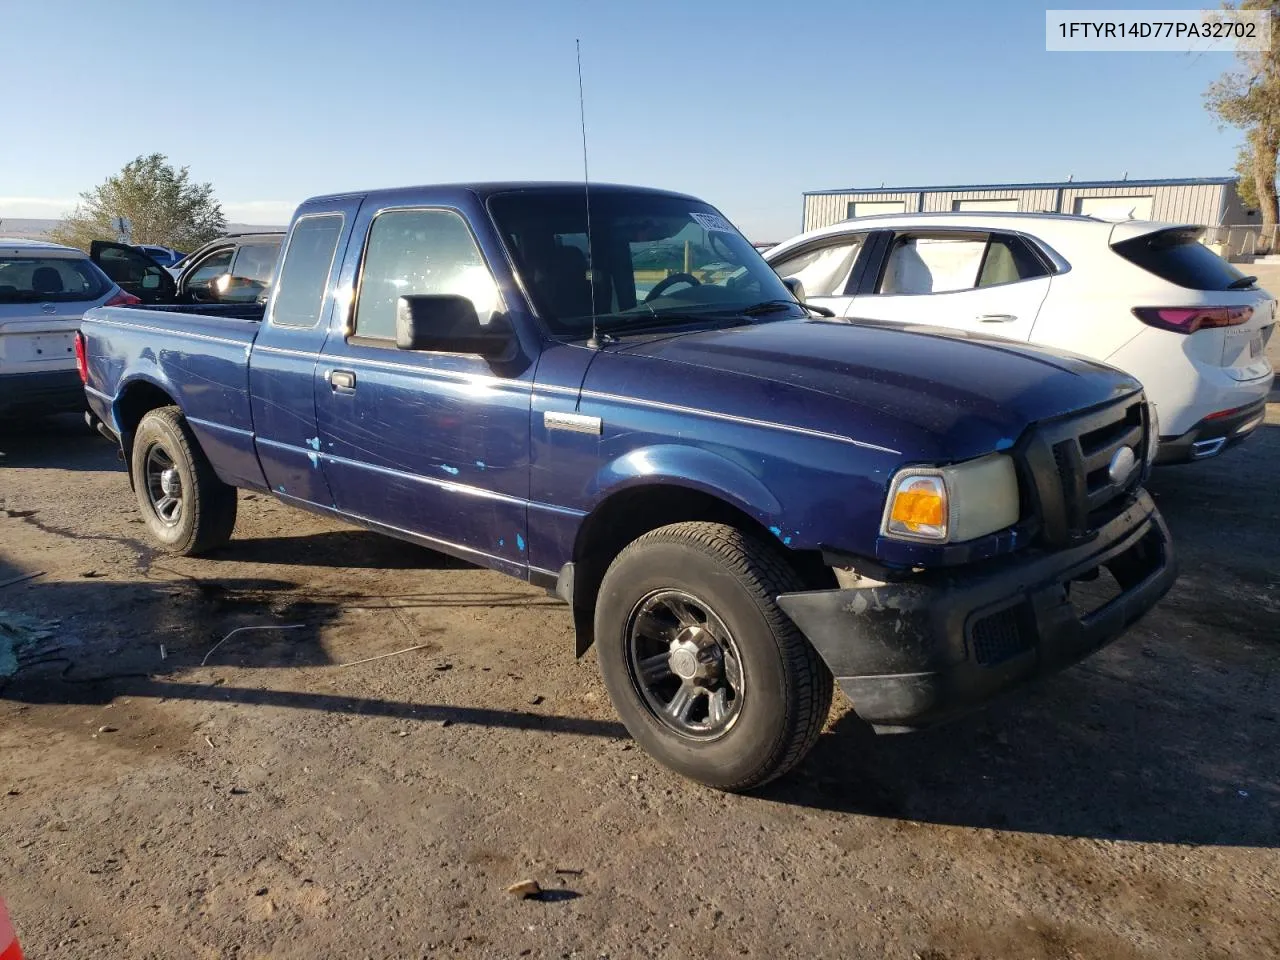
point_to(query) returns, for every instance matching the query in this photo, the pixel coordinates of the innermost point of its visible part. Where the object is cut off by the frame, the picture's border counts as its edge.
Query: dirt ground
(166, 795)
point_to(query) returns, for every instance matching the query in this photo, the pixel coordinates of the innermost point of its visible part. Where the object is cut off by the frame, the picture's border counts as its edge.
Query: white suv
(1145, 297)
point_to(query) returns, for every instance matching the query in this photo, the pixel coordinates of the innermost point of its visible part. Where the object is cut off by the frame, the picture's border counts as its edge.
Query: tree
(161, 203)
(1246, 188)
(1249, 98)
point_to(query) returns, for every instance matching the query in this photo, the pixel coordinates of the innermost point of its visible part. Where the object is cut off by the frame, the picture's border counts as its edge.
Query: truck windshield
(656, 261)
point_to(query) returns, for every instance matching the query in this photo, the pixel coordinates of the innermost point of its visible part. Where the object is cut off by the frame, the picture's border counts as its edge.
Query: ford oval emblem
(48, 308)
(1121, 466)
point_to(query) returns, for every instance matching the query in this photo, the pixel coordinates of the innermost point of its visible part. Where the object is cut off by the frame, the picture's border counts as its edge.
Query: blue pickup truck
(740, 500)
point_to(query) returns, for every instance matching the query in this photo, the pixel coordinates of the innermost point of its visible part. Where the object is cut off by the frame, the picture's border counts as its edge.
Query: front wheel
(705, 670)
(184, 504)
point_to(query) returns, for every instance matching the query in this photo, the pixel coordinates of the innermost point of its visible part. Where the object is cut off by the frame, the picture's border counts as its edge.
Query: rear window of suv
(36, 279)
(1179, 257)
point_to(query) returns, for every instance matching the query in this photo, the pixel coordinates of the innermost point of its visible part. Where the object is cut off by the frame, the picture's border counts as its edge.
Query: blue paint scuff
(502, 542)
(519, 542)
(280, 489)
(481, 464)
(314, 443)
(786, 541)
(314, 458)
(776, 531)
(1004, 443)
(452, 471)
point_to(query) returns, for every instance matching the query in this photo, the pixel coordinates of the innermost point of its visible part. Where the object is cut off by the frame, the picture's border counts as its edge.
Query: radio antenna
(594, 342)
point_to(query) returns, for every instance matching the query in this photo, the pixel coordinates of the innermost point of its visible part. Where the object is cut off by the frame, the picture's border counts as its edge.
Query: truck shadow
(88, 643)
(1088, 753)
(63, 442)
(339, 548)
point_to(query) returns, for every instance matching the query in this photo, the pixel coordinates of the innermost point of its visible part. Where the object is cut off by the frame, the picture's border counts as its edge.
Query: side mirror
(795, 286)
(447, 323)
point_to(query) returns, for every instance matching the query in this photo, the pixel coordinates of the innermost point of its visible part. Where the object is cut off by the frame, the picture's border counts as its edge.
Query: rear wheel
(705, 670)
(184, 504)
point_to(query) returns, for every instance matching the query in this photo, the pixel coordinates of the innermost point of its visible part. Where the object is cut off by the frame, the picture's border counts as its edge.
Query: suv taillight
(122, 299)
(1191, 319)
(82, 359)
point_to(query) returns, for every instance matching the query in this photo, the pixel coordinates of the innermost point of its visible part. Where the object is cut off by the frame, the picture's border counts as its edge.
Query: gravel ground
(272, 797)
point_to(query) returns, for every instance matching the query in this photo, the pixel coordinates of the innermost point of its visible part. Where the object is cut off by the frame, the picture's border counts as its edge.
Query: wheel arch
(635, 508)
(136, 398)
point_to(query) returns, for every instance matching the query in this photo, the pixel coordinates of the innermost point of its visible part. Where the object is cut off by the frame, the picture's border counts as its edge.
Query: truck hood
(928, 392)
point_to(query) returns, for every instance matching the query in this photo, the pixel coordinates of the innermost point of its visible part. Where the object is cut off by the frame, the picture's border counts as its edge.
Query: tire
(733, 742)
(205, 513)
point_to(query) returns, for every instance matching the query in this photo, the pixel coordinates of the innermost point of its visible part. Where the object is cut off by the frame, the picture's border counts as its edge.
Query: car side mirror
(795, 286)
(447, 323)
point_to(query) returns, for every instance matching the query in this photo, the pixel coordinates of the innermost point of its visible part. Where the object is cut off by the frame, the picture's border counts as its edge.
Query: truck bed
(196, 354)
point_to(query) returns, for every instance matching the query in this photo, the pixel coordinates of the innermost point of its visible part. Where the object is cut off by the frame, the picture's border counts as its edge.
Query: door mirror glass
(448, 323)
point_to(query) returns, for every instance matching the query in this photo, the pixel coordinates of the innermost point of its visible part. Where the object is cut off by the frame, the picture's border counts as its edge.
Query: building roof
(1053, 185)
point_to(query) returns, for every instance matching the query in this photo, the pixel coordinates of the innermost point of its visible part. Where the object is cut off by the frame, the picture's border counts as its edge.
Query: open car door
(134, 271)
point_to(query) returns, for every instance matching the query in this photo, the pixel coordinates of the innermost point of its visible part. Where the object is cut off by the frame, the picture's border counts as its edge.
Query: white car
(45, 288)
(1145, 297)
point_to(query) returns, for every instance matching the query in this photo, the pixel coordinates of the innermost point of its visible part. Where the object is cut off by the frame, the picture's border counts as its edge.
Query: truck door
(283, 361)
(431, 444)
(134, 271)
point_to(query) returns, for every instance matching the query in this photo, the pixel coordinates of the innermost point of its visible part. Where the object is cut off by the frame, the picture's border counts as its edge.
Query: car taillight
(1191, 319)
(122, 299)
(82, 359)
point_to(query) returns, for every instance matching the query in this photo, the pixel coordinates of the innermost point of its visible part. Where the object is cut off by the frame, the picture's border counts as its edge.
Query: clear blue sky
(743, 103)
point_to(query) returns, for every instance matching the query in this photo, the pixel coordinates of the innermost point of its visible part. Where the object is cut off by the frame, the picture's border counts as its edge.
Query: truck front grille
(1069, 463)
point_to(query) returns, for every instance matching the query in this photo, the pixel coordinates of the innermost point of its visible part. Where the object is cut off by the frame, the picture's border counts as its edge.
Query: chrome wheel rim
(164, 486)
(685, 664)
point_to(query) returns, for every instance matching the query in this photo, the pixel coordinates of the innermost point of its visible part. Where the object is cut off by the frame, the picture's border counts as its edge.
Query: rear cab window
(1178, 256)
(304, 275)
(44, 279)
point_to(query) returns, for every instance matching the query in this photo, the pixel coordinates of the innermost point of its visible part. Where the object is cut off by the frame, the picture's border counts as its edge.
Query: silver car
(45, 288)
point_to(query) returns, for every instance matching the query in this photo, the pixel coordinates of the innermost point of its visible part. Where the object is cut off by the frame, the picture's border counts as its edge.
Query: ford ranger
(740, 500)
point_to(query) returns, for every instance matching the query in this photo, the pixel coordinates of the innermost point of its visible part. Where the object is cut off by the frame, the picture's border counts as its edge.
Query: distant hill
(29, 229)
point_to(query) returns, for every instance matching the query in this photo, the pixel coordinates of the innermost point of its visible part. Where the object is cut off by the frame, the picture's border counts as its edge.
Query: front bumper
(912, 654)
(1210, 437)
(38, 394)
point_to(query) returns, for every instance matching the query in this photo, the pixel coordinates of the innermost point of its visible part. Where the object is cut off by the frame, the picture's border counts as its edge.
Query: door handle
(342, 379)
(996, 317)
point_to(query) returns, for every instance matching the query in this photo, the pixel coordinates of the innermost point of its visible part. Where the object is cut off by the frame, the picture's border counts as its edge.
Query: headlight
(950, 504)
(1153, 439)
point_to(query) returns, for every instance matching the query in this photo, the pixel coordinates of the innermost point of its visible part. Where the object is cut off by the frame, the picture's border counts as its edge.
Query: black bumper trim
(1182, 449)
(905, 653)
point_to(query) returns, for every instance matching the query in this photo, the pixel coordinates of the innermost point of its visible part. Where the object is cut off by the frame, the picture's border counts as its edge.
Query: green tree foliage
(161, 203)
(1249, 98)
(1244, 170)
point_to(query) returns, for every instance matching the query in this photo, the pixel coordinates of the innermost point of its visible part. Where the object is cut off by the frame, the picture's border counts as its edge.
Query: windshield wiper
(1241, 283)
(773, 306)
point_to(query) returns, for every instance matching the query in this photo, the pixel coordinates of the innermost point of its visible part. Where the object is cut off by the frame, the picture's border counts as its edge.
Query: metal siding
(1199, 203)
(822, 210)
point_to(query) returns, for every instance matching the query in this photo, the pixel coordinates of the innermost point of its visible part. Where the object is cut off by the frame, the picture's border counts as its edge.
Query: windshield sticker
(713, 221)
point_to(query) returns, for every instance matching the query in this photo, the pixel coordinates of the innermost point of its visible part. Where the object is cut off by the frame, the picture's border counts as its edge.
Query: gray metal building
(1211, 201)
